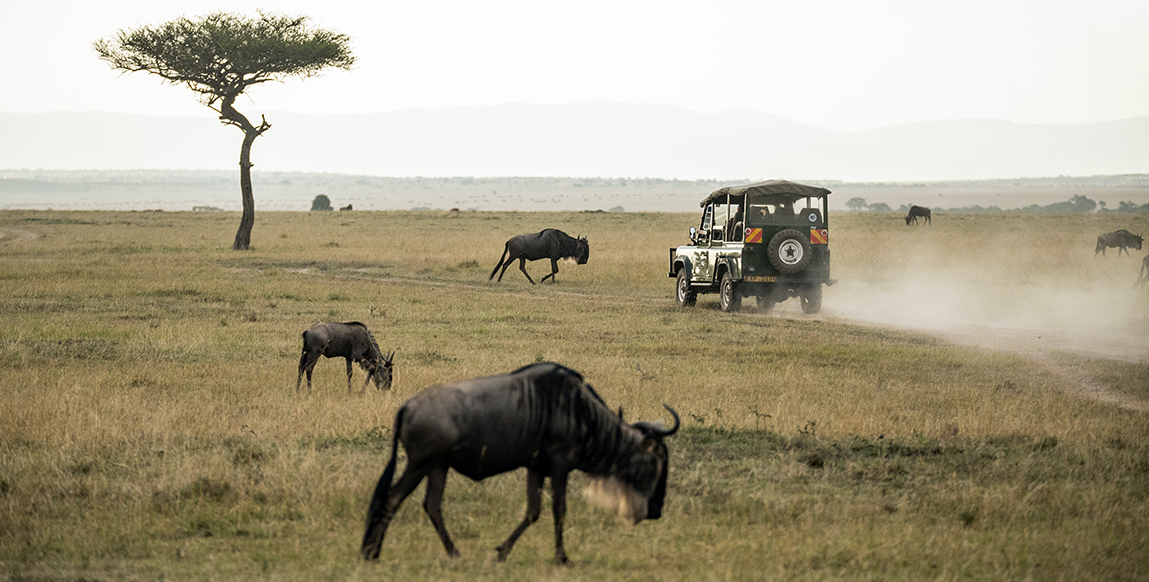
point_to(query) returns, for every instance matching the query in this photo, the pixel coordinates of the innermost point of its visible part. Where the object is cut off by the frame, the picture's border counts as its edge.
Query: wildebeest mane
(374, 345)
(598, 427)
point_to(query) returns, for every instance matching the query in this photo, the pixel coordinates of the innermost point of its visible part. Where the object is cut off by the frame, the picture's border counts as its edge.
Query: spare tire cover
(789, 251)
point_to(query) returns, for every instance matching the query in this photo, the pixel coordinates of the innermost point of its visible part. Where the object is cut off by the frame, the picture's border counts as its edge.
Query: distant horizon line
(207, 114)
(952, 181)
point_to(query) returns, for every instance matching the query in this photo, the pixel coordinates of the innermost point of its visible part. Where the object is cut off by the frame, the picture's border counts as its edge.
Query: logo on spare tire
(790, 252)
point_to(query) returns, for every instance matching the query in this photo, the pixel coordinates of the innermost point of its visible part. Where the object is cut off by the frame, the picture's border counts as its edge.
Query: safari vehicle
(767, 240)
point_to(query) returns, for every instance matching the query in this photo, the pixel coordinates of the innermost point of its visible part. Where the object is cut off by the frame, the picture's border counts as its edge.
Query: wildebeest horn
(657, 429)
(389, 356)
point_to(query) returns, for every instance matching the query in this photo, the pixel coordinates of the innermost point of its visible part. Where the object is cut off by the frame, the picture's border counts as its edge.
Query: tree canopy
(221, 55)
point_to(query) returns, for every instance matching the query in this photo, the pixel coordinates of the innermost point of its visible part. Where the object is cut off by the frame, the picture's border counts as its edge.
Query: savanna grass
(149, 426)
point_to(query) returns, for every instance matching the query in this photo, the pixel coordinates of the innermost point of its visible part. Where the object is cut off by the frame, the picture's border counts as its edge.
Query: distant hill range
(582, 139)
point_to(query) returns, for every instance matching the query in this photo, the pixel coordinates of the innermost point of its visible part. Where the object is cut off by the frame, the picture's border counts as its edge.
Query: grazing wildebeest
(915, 212)
(349, 340)
(549, 244)
(1143, 276)
(1118, 238)
(543, 417)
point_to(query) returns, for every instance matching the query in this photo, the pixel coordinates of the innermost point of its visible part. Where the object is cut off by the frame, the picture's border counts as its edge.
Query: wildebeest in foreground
(915, 212)
(543, 417)
(1118, 238)
(349, 340)
(549, 244)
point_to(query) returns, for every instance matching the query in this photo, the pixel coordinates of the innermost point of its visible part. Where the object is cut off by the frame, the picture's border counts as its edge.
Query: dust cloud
(1091, 320)
(1025, 288)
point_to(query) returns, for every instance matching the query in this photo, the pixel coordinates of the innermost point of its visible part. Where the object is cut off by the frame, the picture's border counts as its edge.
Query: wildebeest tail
(373, 535)
(506, 249)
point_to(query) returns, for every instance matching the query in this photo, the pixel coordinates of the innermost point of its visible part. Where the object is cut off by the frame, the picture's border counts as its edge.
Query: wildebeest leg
(505, 265)
(534, 507)
(348, 375)
(554, 269)
(500, 264)
(433, 505)
(523, 268)
(306, 364)
(377, 523)
(302, 366)
(559, 507)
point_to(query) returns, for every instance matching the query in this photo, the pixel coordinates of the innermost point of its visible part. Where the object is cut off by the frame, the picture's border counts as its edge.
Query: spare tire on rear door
(789, 251)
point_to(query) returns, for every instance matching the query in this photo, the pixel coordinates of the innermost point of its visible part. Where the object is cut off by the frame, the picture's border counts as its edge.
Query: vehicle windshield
(722, 222)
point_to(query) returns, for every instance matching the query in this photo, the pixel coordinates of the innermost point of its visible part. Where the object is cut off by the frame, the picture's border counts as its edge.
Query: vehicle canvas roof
(784, 190)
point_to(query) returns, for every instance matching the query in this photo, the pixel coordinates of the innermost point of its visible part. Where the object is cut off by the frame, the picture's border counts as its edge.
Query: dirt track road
(11, 234)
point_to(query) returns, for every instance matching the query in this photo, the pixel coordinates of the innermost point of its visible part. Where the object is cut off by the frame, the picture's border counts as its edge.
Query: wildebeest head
(637, 489)
(583, 252)
(380, 370)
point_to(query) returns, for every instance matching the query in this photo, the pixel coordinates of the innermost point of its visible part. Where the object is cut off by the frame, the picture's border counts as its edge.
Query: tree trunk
(243, 235)
(228, 115)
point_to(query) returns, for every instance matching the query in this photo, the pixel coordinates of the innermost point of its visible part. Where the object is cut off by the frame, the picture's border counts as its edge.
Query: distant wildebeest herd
(1122, 240)
(918, 211)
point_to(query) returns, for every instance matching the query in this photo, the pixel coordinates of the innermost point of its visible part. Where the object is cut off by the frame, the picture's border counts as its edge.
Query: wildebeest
(915, 212)
(350, 340)
(348, 207)
(1143, 276)
(543, 417)
(549, 244)
(1118, 238)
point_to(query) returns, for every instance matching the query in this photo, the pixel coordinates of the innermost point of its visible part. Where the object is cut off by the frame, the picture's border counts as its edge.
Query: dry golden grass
(149, 426)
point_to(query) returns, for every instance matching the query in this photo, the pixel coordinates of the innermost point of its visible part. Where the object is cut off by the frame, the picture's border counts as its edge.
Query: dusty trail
(11, 234)
(1042, 345)
(1129, 344)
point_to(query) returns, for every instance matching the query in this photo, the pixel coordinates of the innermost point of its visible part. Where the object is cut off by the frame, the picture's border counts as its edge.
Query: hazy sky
(839, 65)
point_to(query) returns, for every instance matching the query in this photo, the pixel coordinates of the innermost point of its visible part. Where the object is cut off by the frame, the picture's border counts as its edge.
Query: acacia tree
(221, 55)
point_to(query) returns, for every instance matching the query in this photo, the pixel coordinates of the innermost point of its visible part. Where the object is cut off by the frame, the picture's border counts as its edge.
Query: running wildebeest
(543, 417)
(915, 212)
(349, 340)
(549, 244)
(1118, 238)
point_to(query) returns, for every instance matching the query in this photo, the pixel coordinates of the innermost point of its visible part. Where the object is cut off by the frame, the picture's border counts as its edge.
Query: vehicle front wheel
(684, 296)
(811, 298)
(729, 299)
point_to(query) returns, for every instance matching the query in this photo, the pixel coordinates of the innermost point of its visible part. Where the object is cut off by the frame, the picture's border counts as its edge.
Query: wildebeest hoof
(561, 560)
(502, 555)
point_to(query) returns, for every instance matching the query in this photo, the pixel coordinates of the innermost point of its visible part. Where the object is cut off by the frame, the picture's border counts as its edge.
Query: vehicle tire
(684, 296)
(728, 298)
(811, 298)
(789, 251)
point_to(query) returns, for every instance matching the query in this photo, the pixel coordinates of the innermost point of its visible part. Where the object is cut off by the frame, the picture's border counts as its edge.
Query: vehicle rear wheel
(811, 298)
(684, 296)
(729, 299)
(789, 251)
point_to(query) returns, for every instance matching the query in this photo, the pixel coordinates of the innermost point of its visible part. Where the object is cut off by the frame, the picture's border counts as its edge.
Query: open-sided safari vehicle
(768, 240)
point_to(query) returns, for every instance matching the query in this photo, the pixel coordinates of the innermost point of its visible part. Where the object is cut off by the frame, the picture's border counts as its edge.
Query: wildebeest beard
(617, 497)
